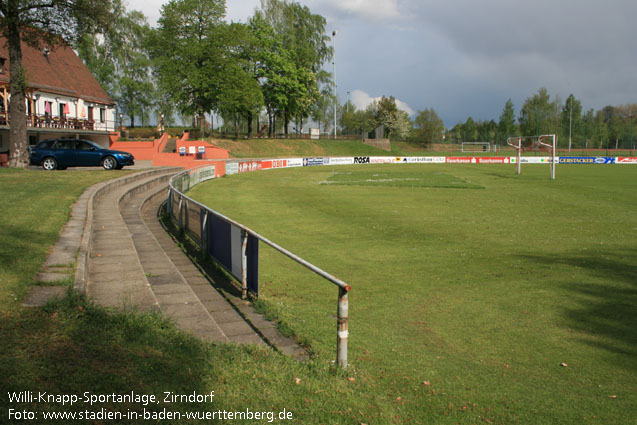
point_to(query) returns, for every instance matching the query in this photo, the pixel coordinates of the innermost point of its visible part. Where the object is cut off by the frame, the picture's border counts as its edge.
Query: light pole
(334, 76)
(570, 121)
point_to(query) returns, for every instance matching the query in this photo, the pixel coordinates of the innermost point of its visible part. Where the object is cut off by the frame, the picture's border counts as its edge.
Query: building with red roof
(63, 98)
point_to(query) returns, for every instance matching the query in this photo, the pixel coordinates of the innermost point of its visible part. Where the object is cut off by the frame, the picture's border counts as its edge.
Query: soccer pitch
(477, 294)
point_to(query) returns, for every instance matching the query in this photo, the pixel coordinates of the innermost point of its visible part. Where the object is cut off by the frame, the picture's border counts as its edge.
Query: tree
(295, 48)
(189, 56)
(506, 124)
(540, 115)
(469, 131)
(40, 23)
(429, 127)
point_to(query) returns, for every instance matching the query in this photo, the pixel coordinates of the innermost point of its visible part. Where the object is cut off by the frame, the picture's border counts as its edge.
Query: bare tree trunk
(18, 145)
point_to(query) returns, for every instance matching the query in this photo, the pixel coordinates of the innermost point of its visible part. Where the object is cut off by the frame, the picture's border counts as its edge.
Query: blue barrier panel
(253, 265)
(224, 245)
(219, 241)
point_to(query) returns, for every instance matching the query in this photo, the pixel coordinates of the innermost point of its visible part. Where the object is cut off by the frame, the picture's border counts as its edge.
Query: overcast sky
(466, 57)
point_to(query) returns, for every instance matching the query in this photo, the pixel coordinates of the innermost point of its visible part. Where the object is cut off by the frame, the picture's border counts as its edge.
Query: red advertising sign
(245, 167)
(492, 160)
(460, 160)
(627, 160)
(274, 163)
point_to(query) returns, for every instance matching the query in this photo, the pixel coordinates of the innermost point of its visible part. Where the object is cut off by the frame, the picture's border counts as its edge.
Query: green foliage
(506, 125)
(540, 115)
(429, 127)
(190, 54)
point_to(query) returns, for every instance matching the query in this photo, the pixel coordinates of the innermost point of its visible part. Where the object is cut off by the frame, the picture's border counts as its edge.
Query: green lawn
(466, 301)
(459, 313)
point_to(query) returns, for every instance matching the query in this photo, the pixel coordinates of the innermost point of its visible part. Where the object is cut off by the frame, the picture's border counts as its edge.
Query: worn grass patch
(397, 178)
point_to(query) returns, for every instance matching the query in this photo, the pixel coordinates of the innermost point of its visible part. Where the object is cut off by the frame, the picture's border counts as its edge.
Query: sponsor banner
(341, 161)
(192, 150)
(626, 160)
(295, 162)
(361, 160)
(492, 160)
(201, 174)
(382, 160)
(424, 160)
(587, 160)
(460, 160)
(248, 166)
(533, 160)
(182, 150)
(577, 160)
(307, 162)
(274, 163)
(232, 167)
(201, 149)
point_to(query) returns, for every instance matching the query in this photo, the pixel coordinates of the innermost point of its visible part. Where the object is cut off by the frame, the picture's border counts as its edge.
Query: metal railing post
(343, 327)
(244, 264)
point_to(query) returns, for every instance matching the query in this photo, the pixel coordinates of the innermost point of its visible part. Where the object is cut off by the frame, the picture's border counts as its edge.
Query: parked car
(61, 153)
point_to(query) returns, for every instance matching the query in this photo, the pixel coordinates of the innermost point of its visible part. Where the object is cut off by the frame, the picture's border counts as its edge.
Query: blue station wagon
(62, 153)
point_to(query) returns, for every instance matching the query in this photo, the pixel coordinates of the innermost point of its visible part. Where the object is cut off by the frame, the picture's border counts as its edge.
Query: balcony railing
(56, 122)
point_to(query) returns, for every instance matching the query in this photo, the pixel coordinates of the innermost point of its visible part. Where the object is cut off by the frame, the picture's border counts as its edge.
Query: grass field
(478, 296)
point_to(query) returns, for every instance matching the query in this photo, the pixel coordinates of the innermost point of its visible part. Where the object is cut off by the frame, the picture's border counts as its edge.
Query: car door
(64, 152)
(87, 154)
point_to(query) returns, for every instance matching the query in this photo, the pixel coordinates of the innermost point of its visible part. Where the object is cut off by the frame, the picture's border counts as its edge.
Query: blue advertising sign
(313, 161)
(587, 160)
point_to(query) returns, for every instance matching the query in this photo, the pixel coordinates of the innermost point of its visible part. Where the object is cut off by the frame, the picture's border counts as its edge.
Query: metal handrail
(344, 288)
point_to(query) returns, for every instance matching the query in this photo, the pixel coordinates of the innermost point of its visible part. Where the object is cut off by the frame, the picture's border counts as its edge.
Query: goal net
(475, 147)
(544, 143)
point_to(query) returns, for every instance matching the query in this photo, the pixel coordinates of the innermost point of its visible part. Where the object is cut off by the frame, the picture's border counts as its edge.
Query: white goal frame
(481, 144)
(546, 141)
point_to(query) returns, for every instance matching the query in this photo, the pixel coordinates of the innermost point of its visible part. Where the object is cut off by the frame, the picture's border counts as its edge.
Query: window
(2, 62)
(102, 115)
(62, 105)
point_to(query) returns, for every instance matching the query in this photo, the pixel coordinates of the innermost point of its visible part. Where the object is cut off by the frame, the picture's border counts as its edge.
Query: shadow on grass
(72, 347)
(606, 305)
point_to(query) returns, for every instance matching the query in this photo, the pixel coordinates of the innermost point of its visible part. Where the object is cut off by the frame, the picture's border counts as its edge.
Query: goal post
(546, 142)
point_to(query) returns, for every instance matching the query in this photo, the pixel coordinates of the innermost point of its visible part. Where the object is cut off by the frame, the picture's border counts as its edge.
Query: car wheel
(49, 164)
(109, 163)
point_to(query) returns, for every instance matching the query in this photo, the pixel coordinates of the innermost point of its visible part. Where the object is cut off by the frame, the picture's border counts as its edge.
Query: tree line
(611, 127)
(266, 73)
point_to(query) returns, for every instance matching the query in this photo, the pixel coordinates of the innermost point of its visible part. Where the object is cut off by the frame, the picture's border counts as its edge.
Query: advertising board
(232, 167)
(361, 160)
(577, 160)
(342, 161)
(460, 160)
(307, 162)
(492, 160)
(295, 162)
(248, 166)
(424, 159)
(626, 160)
(382, 160)
(274, 163)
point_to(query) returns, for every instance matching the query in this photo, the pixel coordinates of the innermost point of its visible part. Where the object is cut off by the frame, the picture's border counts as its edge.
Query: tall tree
(540, 114)
(429, 127)
(296, 48)
(506, 124)
(189, 55)
(40, 23)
